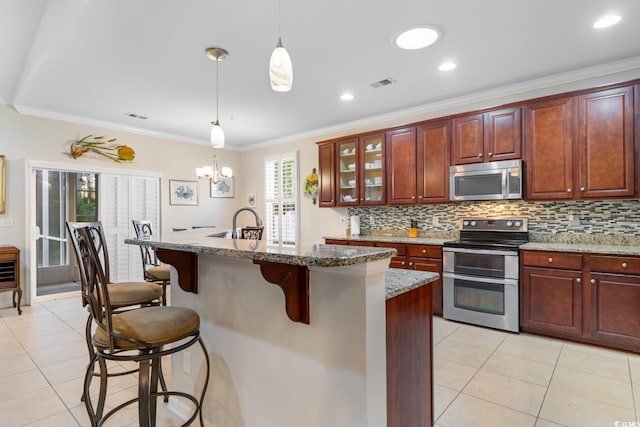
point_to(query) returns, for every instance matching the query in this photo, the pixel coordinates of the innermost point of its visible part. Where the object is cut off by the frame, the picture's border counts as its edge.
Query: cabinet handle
(490, 154)
(568, 190)
(593, 281)
(413, 197)
(402, 263)
(625, 265)
(550, 259)
(362, 200)
(421, 197)
(411, 264)
(581, 188)
(578, 280)
(479, 154)
(424, 251)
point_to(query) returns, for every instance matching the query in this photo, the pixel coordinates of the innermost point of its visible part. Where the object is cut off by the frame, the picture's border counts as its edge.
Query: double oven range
(480, 281)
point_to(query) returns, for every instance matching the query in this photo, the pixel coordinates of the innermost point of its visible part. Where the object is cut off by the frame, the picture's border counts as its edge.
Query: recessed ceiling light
(346, 97)
(607, 21)
(417, 38)
(447, 66)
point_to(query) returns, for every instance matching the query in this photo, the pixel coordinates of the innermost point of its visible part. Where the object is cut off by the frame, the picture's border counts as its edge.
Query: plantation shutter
(281, 198)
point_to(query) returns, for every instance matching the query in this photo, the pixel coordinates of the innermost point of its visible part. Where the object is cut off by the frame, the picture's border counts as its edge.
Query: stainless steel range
(481, 272)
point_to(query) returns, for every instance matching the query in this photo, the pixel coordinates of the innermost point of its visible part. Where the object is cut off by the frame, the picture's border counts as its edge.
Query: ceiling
(93, 62)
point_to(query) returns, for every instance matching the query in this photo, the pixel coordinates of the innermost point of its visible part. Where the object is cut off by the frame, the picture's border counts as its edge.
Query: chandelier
(213, 173)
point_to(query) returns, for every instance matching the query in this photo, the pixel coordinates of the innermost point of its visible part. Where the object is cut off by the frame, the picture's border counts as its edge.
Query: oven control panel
(494, 224)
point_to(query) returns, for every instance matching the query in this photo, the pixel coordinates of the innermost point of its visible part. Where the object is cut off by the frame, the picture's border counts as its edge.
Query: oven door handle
(506, 282)
(480, 251)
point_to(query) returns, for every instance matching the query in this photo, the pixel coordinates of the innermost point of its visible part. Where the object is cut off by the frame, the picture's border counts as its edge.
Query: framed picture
(224, 188)
(183, 192)
(3, 186)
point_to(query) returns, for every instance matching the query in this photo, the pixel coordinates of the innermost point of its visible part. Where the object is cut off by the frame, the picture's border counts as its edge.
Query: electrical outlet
(343, 219)
(186, 362)
(372, 220)
(574, 221)
(6, 221)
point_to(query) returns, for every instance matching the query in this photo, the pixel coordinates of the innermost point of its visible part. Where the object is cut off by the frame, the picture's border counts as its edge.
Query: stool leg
(87, 337)
(85, 393)
(102, 395)
(155, 369)
(143, 394)
(206, 379)
(163, 383)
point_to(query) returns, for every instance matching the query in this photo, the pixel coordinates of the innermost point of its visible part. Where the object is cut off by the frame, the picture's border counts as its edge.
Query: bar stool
(154, 270)
(123, 295)
(143, 335)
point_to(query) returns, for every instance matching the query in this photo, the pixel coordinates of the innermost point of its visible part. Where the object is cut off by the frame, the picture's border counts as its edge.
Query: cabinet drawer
(615, 264)
(425, 251)
(400, 247)
(552, 260)
(335, 242)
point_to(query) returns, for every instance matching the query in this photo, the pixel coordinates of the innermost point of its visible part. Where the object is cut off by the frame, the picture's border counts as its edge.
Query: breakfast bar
(300, 336)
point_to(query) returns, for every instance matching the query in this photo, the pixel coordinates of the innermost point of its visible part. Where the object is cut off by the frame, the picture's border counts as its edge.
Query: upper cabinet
(352, 171)
(433, 162)
(402, 185)
(581, 147)
(485, 137)
(327, 173)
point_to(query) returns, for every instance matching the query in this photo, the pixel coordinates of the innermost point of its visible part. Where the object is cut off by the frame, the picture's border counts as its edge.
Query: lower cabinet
(410, 257)
(583, 297)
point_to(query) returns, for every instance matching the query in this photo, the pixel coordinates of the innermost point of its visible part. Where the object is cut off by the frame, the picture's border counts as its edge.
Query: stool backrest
(253, 233)
(96, 234)
(149, 258)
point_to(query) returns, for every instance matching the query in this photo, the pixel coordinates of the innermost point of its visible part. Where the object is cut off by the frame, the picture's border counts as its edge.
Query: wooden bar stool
(154, 270)
(143, 335)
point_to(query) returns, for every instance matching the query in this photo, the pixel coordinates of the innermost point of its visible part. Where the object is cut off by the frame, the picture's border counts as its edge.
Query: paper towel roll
(355, 225)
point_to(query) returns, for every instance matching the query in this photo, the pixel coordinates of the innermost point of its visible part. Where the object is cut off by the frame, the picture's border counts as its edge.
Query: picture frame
(224, 188)
(183, 192)
(3, 185)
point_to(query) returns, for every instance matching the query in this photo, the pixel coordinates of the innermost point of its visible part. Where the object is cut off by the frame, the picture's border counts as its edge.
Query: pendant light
(280, 66)
(217, 134)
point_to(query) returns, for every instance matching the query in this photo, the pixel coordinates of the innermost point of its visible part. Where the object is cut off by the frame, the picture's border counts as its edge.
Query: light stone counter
(394, 239)
(581, 248)
(398, 281)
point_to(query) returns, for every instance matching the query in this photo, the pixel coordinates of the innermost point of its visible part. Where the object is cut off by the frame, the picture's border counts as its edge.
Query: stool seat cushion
(160, 272)
(122, 294)
(152, 326)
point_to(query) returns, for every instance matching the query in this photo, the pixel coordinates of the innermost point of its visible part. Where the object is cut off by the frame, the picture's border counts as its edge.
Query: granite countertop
(582, 248)
(394, 239)
(398, 281)
(199, 241)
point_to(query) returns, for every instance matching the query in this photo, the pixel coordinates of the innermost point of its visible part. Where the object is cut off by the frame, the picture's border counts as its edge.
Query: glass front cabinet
(360, 171)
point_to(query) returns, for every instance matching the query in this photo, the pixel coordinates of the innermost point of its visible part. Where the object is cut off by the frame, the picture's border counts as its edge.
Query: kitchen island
(315, 357)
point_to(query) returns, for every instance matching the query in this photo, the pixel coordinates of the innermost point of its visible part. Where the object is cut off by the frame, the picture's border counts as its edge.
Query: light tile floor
(482, 377)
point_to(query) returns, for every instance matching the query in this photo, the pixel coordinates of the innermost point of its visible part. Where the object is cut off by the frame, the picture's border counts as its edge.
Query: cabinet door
(433, 162)
(606, 144)
(347, 173)
(433, 266)
(401, 166)
(549, 144)
(551, 301)
(468, 139)
(327, 170)
(615, 299)
(372, 179)
(503, 134)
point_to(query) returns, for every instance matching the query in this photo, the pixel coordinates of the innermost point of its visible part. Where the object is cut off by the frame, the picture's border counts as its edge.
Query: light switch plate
(6, 221)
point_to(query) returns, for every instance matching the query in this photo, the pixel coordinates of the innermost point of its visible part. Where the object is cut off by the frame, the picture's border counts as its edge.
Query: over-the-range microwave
(500, 180)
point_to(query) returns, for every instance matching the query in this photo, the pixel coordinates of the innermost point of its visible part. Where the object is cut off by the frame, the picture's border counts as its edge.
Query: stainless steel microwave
(486, 181)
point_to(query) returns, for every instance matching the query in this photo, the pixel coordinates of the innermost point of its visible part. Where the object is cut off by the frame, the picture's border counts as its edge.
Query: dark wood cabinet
(606, 154)
(550, 297)
(402, 185)
(347, 172)
(372, 177)
(581, 147)
(10, 273)
(400, 260)
(549, 130)
(428, 258)
(591, 298)
(410, 359)
(486, 137)
(433, 150)
(326, 175)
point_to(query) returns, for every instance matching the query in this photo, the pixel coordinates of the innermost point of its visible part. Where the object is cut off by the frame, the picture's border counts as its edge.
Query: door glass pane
(348, 171)
(479, 184)
(478, 296)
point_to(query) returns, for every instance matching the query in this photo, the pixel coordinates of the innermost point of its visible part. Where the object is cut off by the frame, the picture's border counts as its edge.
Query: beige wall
(25, 138)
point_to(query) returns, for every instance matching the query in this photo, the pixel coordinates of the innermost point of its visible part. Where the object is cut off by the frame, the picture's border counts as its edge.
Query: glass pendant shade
(217, 135)
(280, 69)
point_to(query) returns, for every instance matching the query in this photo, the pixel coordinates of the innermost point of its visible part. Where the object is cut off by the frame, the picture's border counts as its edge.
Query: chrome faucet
(234, 232)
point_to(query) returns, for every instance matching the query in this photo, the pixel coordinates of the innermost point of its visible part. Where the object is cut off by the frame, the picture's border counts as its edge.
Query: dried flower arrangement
(97, 145)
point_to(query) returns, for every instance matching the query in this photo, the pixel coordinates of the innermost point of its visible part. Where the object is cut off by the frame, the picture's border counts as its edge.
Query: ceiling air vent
(136, 116)
(383, 82)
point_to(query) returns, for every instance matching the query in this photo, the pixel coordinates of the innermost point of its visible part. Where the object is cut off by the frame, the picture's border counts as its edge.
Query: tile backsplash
(593, 219)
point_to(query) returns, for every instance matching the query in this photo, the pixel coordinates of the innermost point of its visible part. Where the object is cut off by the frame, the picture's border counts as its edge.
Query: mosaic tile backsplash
(597, 221)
